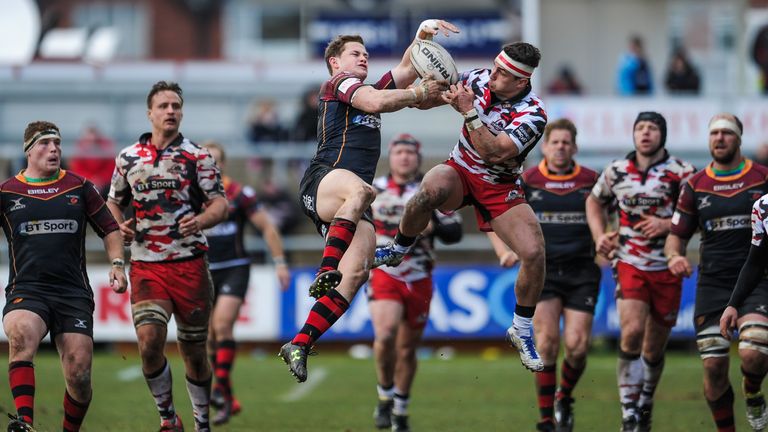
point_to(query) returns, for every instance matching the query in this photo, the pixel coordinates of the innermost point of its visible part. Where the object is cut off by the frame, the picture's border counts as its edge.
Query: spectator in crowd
(95, 158)
(264, 123)
(682, 76)
(634, 73)
(305, 128)
(760, 56)
(761, 154)
(565, 83)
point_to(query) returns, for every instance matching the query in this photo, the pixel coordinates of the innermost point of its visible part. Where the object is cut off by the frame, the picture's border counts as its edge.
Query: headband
(516, 68)
(725, 123)
(48, 133)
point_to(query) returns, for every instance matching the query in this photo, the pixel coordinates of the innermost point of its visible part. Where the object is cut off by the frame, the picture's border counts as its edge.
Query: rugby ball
(430, 58)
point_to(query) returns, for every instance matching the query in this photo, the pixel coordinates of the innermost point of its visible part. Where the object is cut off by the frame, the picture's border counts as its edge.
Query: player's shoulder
(588, 173)
(697, 178)
(760, 207)
(759, 169)
(678, 164)
(531, 173)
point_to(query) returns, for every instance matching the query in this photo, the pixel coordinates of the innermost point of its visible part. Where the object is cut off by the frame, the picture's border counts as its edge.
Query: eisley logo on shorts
(51, 226)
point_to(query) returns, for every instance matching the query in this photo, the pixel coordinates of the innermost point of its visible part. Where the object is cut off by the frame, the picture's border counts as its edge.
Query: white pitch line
(317, 376)
(130, 373)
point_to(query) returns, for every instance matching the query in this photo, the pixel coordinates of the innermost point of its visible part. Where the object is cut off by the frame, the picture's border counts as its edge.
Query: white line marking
(130, 373)
(316, 377)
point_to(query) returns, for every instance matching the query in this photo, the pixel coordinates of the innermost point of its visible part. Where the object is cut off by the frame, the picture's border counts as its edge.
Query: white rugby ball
(430, 58)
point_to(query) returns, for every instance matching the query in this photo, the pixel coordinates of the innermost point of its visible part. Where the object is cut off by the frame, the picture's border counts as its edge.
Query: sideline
(298, 392)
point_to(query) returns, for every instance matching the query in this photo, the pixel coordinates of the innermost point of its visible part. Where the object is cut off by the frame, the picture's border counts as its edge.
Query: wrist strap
(118, 262)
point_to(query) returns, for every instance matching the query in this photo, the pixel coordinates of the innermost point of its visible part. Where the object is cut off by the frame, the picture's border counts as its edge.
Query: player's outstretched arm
(372, 100)
(268, 230)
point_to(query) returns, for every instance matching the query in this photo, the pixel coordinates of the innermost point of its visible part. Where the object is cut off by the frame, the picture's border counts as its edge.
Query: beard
(726, 158)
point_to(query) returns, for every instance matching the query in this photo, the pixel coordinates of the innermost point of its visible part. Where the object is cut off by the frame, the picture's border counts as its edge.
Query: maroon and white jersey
(165, 185)
(638, 194)
(388, 209)
(760, 220)
(522, 118)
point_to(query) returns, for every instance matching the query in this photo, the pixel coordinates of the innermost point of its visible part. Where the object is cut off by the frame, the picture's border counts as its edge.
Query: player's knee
(367, 194)
(576, 348)
(19, 348)
(547, 345)
(192, 334)
(716, 370)
(532, 254)
(753, 339)
(149, 313)
(357, 277)
(712, 344)
(631, 338)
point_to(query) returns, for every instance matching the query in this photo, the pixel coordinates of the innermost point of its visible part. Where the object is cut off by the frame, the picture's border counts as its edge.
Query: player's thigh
(24, 329)
(443, 184)
(226, 310)
(408, 336)
(632, 314)
(520, 230)
(386, 315)
(336, 187)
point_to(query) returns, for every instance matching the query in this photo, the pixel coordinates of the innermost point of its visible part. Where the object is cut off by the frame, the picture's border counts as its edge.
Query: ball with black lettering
(430, 58)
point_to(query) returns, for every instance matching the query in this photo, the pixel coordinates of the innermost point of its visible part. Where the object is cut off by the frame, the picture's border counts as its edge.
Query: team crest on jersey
(512, 195)
(72, 199)
(704, 202)
(17, 205)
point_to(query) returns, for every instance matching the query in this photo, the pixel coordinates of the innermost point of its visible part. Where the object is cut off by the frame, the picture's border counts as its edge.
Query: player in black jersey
(336, 191)
(557, 190)
(718, 202)
(230, 268)
(45, 211)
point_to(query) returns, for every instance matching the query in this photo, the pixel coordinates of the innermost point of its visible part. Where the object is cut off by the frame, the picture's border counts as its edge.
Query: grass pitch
(471, 392)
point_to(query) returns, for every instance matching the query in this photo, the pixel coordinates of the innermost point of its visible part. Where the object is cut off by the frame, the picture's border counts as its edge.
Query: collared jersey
(388, 209)
(522, 118)
(638, 194)
(165, 185)
(225, 240)
(559, 202)
(720, 208)
(348, 137)
(44, 224)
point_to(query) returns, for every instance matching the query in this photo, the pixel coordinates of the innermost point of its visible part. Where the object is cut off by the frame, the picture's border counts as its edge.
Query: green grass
(466, 393)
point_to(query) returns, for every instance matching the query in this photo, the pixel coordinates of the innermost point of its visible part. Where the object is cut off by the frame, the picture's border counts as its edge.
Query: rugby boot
(524, 344)
(564, 413)
(387, 255)
(629, 424)
(644, 418)
(223, 414)
(382, 415)
(174, 425)
(295, 356)
(16, 424)
(323, 282)
(545, 426)
(217, 398)
(400, 423)
(757, 416)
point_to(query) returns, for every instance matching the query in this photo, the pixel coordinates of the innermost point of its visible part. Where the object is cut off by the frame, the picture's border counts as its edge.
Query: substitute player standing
(174, 187)
(646, 186)
(336, 191)
(399, 298)
(718, 202)
(230, 268)
(503, 121)
(45, 210)
(557, 190)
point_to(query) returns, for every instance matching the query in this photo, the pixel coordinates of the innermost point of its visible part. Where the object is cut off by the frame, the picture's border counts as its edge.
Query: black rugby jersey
(44, 224)
(720, 207)
(349, 138)
(559, 202)
(225, 240)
